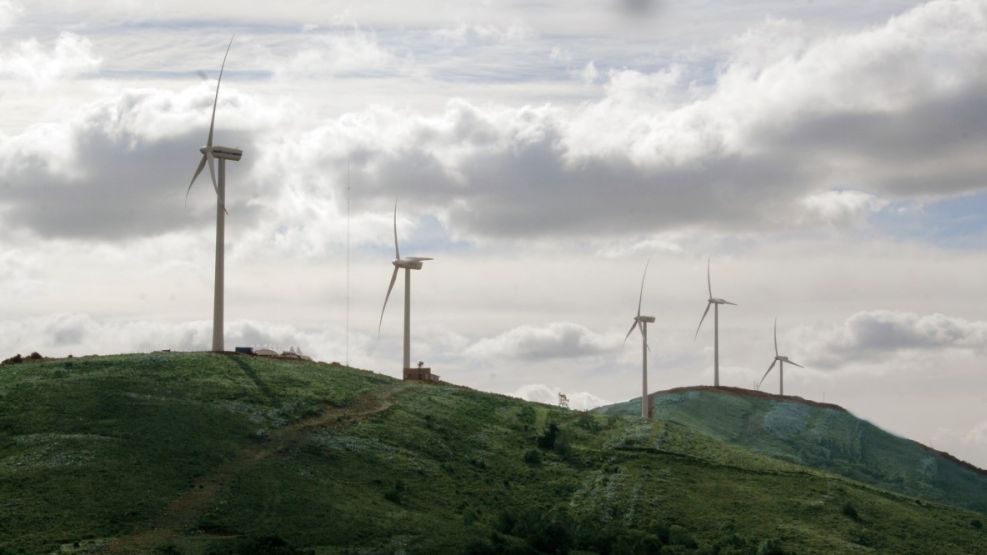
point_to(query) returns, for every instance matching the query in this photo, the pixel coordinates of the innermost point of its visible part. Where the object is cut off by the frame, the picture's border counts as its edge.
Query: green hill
(213, 453)
(822, 436)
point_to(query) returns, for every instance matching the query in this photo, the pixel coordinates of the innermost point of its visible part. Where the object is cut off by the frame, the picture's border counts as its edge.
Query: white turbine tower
(715, 303)
(641, 322)
(210, 154)
(408, 264)
(781, 360)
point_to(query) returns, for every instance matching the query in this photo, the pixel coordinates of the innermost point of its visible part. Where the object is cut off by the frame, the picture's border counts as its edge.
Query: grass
(203, 453)
(824, 437)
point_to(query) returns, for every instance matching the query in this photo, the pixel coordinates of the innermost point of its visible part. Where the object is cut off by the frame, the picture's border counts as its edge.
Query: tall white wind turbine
(408, 264)
(715, 303)
(210, 153)
(780, 360)
(641, 322)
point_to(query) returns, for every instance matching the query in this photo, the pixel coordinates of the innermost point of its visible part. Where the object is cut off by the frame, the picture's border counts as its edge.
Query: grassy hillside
(203, 453)
(821, 436)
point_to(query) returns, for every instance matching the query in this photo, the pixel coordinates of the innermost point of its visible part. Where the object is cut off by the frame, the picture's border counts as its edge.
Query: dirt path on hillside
(185, 511)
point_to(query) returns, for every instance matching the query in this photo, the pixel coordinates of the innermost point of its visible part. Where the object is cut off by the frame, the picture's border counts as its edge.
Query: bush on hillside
(588, 422)
(532, 457)
(850, 512)
(260, 545)
(770, 546)
(678, 535)
(394, 494)
(547, 439)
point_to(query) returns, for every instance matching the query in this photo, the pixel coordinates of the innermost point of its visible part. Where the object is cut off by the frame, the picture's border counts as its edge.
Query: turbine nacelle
(410, 263)
(715, 300)
(223, 152)
(645, 319)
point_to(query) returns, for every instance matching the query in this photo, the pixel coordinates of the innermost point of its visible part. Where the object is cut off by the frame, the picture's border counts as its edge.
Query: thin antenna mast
(347, 263)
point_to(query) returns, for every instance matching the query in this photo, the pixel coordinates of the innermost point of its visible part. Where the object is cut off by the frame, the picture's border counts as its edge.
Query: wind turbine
(408, 264)
(715, 303)
(781, 360)
(641, 322)
(210, 153)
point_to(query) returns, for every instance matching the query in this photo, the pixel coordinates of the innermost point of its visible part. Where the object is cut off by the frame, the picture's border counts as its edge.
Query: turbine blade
(630, 331)
(215, 102)
(708, 304)
(766, 373)
(729, 303)
(418, 258)
(795, 364)
(198, 170)
(394, 277)
(641, 295)
(709, 280)
(776, 337)
(397, 253)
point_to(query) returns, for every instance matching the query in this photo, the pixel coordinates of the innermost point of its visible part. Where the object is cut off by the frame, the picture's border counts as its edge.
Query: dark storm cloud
(933, 147)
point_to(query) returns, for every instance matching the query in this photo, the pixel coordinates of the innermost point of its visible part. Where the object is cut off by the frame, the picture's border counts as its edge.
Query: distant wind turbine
(641, 322)
(210, 154)
(715, 303)
(408, 264)
(781, 360)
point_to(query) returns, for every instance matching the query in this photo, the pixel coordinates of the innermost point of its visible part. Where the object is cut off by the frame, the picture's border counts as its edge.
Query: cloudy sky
(830, 158)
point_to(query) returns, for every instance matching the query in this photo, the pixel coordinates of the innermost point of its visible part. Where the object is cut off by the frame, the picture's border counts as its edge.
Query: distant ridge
(795, 399)
(750, 393)
(824, 436)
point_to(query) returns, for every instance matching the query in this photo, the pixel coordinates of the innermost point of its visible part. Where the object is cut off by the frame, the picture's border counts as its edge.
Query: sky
(826, 158)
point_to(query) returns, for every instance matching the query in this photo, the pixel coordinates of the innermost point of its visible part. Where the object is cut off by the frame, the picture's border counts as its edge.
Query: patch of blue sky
(958, 222)
(429, 237)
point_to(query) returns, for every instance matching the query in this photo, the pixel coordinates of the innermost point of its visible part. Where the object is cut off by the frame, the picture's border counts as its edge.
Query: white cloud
(558, 340)
(9, 12)
(541, 393)
(589, 73)
(977, 436)
(877, 335)
(357, 52)
(81, 334)
(28, 60)
(463, 33)
(841, 207)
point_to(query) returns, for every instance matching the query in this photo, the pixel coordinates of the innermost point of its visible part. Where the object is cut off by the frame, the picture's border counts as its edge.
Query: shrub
(850, 512)
(770, 546)
(636, 542)
(976, 523)
(678, 535)
(505, 522)
(547, 439)
(532, 457)
(588, 422)
(266, 545)
(394, 494)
